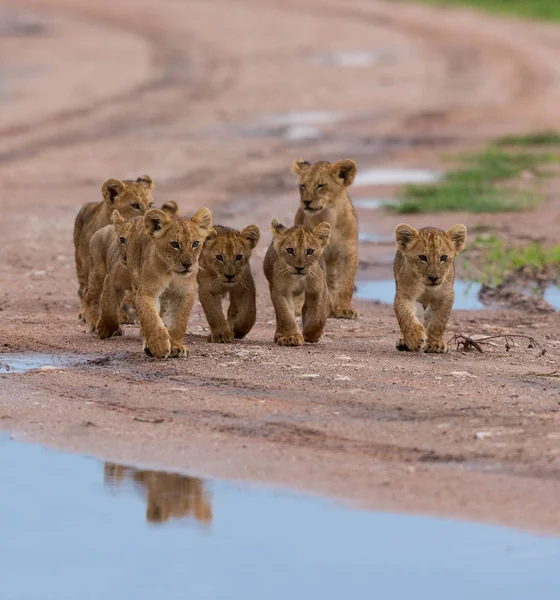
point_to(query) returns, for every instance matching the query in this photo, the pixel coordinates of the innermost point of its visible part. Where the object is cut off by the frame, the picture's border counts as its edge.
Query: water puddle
(292, 126)
(466, 293)
(374, 238)
(395, 177)
(372, 203)
(73, 527)
(352, 59)
(552, 296)
(22, 362)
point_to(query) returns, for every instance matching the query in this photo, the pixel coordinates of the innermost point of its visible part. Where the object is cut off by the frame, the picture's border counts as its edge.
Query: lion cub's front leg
(155, 337)
(116, 283)
(413, 333)
(287, 330)
(220, 331)
(315, 311)
(179, 312)
(435, 321)
(242, 311)
(341, 281)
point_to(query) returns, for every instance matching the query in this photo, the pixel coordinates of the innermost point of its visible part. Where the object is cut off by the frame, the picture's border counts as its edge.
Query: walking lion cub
(424, 271)
(162, 259)
(225, 270)
(292, 268)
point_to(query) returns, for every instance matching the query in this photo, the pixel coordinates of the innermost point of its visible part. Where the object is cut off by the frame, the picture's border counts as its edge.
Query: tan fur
(130, 198)
(292, 268)
(107, 247)
(422, 276)
(225, 270)
(323, 198)
(165, 276)
(168, 495)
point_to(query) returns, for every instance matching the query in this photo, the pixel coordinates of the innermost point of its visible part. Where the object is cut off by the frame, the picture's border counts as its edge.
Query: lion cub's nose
(187, 265)
(299, 269)
(433, 278)
(229, 277)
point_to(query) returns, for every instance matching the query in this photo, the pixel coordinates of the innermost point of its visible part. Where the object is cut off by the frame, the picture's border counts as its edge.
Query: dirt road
(214, 99)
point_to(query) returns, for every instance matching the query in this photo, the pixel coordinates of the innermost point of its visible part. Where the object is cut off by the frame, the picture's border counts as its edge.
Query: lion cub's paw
(221, 337)
(107, 330)
(401, 346)
(414, 342)
(344, 313)
(158, 348)
(289, 340)
(178, 351)
(438, 346)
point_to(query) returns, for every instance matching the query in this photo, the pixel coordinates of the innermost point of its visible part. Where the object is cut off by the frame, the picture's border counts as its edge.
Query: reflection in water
(168, 495)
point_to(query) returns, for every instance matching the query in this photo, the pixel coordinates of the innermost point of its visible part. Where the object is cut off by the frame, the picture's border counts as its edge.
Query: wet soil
(190, 92)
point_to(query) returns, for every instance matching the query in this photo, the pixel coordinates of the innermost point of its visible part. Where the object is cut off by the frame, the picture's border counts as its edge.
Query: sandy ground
(194, 93)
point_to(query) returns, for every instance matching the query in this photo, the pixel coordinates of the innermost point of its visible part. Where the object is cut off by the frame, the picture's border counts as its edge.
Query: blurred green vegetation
(480, 183)
(537, 9)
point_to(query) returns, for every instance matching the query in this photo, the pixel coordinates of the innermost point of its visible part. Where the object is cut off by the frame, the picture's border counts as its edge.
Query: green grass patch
(548, 10)
(495, 260)
(479, 184)
(538, 138)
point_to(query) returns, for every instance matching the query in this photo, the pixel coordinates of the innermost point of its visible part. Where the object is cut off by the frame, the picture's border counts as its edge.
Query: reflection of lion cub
(169, 495)
(130, 198)
(224, 269)
(162, 259)
(424, 272)
(323, 198)
(293, 269)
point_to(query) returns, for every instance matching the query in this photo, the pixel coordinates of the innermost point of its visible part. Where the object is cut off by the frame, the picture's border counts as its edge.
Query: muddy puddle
(372, 203)
(22, 362)
(355, 59)
(73, 527)
(466, 293)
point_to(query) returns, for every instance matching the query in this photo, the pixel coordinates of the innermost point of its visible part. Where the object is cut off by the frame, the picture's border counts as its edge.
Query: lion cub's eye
(122, 240)
(443, 258)
(195, 244)
(219, 257)
(290, 250)
(319, 186)
(135, 206)
(174, 245)
(423, 258)
(310, 251)
(301, 186)
(151, 205)
(239, 257)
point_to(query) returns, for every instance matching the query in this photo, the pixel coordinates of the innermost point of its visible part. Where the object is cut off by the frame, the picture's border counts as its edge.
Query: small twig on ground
(466, 343)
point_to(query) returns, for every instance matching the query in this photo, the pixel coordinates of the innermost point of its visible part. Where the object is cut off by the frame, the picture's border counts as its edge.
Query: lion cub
(323, 195)
(107, 250)
(162, 259)
(292, 268)
(130, 198)
(224, 269)
(424, 272)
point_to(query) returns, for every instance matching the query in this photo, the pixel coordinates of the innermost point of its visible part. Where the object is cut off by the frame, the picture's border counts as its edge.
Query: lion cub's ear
(404, 235)
(155, 220)
(203, 218)
(323, 233)
(278, 230)
(111, 189)
(170, 207)
(116, 218)
(300, 165)
(146, 181)
(458, 235)
(345, 170)
(252, 234)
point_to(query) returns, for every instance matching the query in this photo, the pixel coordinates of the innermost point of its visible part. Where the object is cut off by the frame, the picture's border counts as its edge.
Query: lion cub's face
(429, 252)
(178, 241)
(123, 230)
(321, 183)
(299, 248)
(130, 198)
(227, 251)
